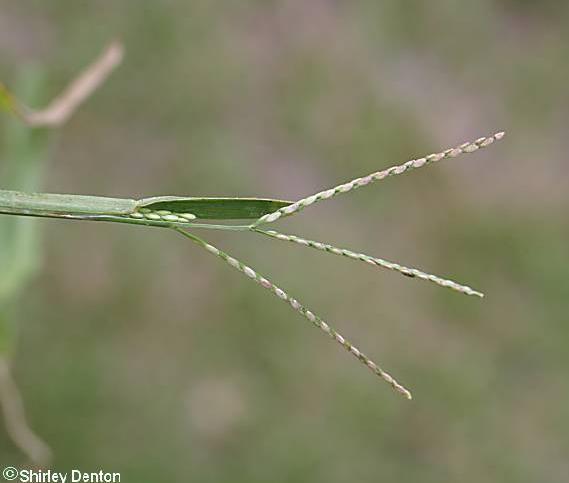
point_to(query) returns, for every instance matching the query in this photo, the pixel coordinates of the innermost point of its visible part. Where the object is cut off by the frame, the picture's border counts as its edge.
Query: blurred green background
(142, 354)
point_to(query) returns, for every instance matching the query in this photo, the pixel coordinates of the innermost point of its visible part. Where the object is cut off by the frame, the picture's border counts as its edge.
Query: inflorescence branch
(468, 147)
(296, 305)
(379, 262)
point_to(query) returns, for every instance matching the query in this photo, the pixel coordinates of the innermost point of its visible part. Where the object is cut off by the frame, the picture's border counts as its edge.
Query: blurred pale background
(142, 354)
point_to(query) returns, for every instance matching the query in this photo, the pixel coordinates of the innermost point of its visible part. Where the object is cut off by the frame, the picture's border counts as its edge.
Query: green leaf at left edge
(214, 208)
(7, 101)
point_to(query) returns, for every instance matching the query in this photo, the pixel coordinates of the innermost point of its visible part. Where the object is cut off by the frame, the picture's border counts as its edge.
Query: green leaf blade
(215, 208)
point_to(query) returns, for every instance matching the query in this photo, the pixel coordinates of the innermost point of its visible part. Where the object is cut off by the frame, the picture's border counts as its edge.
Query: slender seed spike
(295, 304)
(298, 206)
(407, 271)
